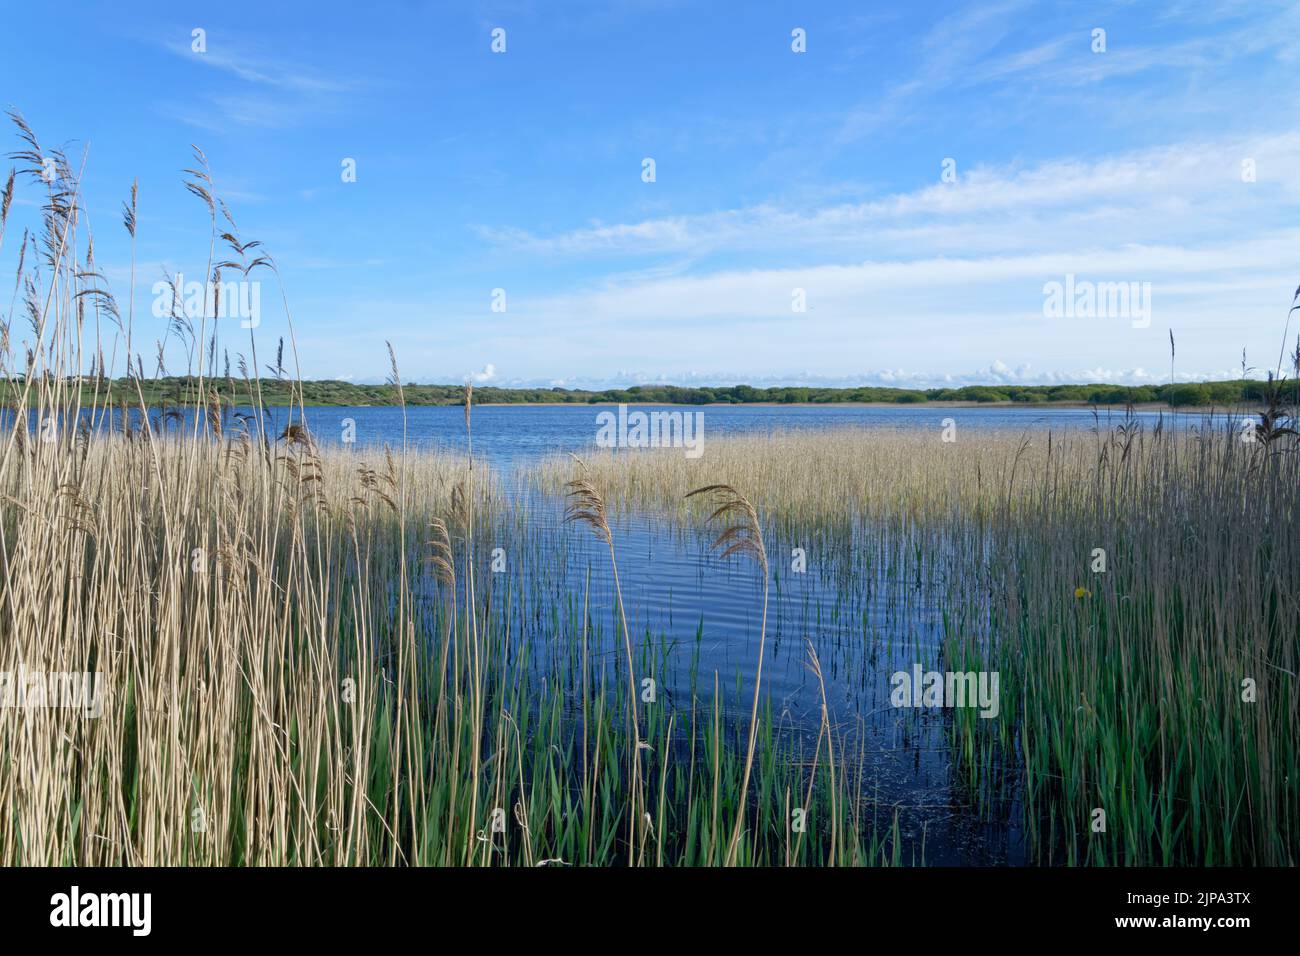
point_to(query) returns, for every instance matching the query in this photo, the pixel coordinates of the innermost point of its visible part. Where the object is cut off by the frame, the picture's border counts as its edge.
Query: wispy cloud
(262, 91)
(942, 55)
(1161, 194)
(238, 60)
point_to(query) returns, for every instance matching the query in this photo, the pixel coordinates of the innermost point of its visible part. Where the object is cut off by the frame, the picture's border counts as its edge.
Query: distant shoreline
(188, 391)
(1144, 407)
(280, 402)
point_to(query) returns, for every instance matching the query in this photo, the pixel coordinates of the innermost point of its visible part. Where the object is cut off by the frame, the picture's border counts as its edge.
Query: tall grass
(1126, 690)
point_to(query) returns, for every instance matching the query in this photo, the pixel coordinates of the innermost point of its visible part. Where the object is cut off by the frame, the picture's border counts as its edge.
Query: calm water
(513, 435)
(509, 435)
(696, 618)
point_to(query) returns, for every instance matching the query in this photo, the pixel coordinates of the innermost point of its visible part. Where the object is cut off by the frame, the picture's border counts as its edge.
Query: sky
(843, 193)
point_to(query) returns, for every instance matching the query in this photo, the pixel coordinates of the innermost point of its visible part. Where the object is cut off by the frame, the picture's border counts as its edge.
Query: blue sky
(774, 171)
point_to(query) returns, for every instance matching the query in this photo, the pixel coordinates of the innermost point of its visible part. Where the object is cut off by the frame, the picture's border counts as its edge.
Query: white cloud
(271, 91)
(1157, 194)
(240, 61)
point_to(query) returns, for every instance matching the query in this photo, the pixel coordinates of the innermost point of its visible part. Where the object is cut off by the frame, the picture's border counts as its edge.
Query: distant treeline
(180, 390)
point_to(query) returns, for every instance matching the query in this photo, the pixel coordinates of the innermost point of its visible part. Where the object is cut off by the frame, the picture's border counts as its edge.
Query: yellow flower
(1082, 593)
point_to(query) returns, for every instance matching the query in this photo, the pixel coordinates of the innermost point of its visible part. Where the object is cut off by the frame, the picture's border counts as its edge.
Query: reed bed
(1155, 683)
(824, 477)
(237, 606)
(296, 671)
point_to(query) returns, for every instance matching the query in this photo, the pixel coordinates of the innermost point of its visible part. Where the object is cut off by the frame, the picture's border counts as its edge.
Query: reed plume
(741, 535)
(587, 507)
